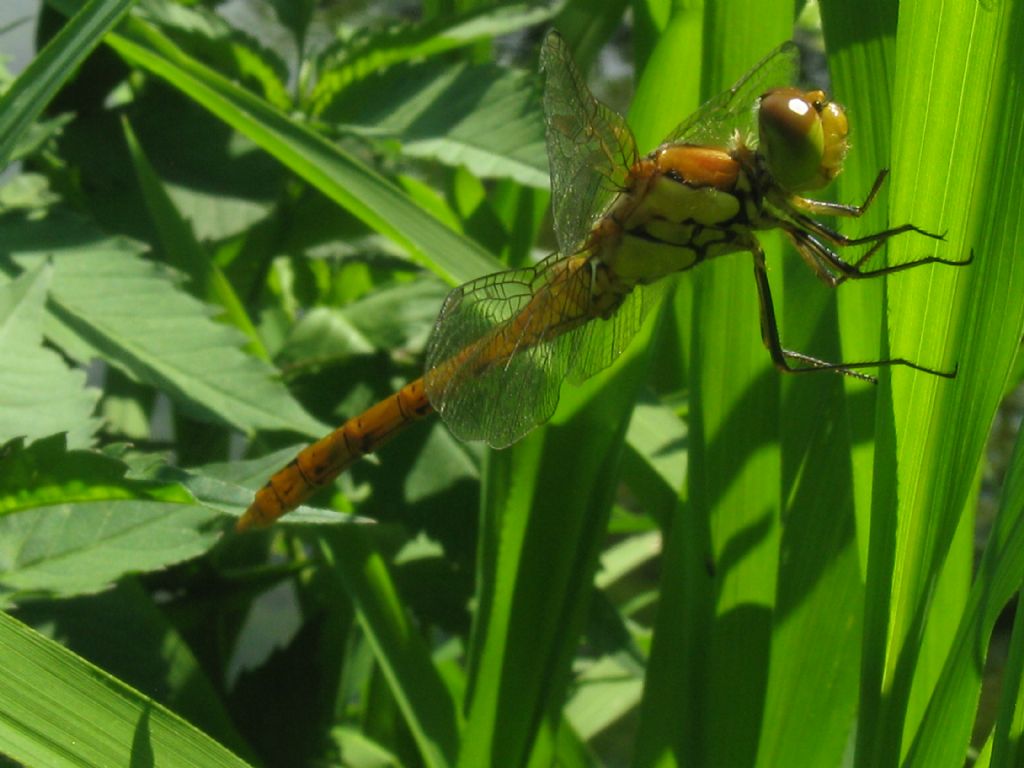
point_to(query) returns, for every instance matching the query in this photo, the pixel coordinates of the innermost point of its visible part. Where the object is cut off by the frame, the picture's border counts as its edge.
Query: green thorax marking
(668, 225)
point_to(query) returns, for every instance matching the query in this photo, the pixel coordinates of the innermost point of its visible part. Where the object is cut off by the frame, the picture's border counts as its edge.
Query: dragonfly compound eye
(802, 138)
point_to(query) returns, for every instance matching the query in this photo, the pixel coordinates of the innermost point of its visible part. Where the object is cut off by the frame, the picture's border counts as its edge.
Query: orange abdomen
(328, 457)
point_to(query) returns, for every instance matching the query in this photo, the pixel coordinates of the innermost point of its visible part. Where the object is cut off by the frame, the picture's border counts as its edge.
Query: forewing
(734, 110)
(600, 342)
(484, 395)
(590, 147)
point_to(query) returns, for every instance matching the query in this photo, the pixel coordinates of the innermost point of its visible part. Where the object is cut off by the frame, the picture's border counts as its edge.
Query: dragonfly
(624, 223)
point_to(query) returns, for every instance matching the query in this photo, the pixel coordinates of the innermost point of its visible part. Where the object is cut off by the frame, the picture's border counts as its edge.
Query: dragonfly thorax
(683, 204)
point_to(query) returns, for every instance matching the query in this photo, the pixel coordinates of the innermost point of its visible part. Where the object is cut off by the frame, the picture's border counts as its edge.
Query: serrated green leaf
(607, 691)
(46, 473)
(39, 395)
(322, 335)
(234, 52)
(483, 117)
(362, 751)
(342, 177)
(26, 191)
(106, 301)
(82, 547)
(73, 523)
(398, 317)
(229, 487)
(295, 15)
(35, 137)
(379, 50)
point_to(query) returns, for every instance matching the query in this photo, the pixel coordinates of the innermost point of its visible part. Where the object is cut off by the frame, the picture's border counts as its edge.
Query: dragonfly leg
(832, 269)
(824, 208)
(839, 239)
(790, 361)
(796, 207)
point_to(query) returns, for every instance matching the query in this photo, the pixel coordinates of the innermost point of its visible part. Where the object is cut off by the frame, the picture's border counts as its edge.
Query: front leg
(782, 357)
(823, 208)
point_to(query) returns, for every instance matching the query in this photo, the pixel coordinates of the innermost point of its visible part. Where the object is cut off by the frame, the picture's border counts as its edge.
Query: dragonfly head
(802, 138)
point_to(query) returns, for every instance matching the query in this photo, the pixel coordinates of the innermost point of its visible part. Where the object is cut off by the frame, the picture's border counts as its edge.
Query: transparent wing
(718, 119)
(600, 342)
(590, 147)
(503, 344)
(495, 360)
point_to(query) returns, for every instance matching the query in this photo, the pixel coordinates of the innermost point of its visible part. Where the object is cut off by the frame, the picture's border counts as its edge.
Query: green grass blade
(1007, 742)
(860, 45)
(530, 614)
(713, 625)
(132, 636)
(429, 710)
(340, 176)
(952, 63)
(48, 71)
(946, 725)
(816, 624)
(184, 252)
(827, 454)
(826, 451)
(540, 543)
(58, 710)
(670, 683)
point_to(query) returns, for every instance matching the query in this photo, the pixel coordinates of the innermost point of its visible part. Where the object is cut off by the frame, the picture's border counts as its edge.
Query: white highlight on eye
(798, 106)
